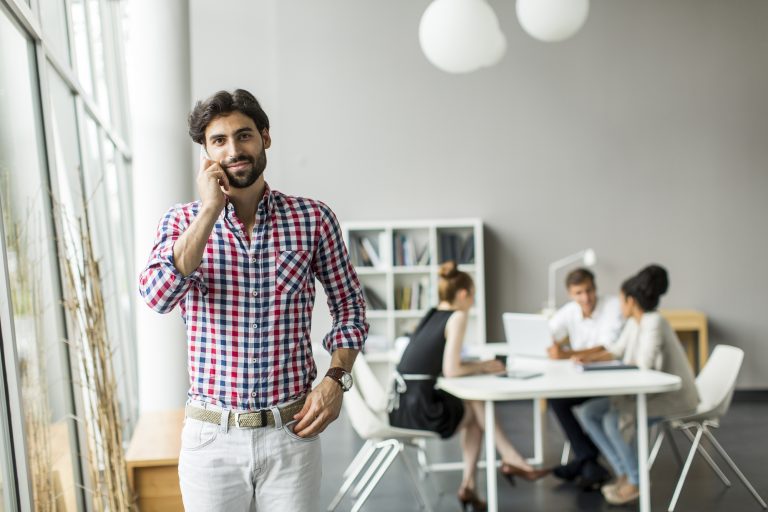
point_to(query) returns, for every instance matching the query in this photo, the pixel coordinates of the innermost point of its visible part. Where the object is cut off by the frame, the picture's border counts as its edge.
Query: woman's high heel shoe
(470, 501)
(510, 472)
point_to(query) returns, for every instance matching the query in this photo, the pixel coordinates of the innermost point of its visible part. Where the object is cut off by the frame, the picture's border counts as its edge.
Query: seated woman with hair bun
(435, 349)
(649, 342)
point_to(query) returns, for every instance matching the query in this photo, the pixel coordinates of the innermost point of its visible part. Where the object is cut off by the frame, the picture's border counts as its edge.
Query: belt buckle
(237, 419)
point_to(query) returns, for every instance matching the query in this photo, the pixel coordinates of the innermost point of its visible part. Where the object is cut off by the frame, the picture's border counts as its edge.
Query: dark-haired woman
(649, 342)
(435, 349)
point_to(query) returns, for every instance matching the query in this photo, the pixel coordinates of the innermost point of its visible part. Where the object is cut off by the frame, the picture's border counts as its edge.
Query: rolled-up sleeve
(333, 269)
(161, 285)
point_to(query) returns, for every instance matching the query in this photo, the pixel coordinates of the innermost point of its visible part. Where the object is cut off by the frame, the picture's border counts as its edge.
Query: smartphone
(204, 154)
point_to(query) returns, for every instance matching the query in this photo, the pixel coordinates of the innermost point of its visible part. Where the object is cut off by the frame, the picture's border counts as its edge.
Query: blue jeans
(601, 422)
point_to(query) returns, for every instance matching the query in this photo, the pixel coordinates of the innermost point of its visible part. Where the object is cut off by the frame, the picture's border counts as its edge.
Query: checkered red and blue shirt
(248, 306)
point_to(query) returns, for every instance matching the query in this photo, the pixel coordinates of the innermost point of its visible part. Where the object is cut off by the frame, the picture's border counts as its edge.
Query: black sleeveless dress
(422, 406)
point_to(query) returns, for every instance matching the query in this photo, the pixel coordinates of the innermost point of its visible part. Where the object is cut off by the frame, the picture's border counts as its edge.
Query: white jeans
(237, 470)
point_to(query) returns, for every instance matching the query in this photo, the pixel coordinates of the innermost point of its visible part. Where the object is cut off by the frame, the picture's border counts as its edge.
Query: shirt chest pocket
(292, 269)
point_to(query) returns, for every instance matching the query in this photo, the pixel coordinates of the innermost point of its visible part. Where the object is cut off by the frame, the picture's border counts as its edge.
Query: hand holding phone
(212, 182)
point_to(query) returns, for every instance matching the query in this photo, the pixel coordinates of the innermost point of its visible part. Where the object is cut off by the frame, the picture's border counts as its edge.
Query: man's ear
(266, 138)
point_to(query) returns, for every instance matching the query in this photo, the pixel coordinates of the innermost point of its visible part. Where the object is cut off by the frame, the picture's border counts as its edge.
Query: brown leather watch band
(337, 373)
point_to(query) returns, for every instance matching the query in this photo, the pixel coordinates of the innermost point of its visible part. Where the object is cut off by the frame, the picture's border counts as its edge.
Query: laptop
(527, 335)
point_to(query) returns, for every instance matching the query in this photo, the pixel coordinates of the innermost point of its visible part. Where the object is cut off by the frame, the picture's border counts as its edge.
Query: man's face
(585, 295)
(235, 143)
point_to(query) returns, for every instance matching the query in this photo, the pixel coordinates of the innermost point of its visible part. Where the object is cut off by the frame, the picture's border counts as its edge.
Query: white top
(602, 328)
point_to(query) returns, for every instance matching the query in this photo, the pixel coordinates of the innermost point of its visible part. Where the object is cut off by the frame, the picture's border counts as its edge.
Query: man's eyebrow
(245, 129)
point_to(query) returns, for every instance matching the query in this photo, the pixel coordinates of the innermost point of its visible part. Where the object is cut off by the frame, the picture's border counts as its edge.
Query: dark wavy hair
(647, 287)
(222, 103)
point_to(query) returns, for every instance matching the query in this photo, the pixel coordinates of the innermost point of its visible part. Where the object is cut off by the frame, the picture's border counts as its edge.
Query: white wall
(645, 137)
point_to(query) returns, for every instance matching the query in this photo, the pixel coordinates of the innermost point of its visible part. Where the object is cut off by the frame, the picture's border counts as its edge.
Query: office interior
(642, 136)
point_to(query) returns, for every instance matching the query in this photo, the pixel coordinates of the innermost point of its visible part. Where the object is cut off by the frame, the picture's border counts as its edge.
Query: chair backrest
(366, 423)
(717, 380)
(369, 386)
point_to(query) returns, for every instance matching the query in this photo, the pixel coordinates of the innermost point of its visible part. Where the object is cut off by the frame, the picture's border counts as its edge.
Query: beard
(250, 176)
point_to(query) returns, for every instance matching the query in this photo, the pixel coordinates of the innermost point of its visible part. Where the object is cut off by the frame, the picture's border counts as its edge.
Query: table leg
(642, 453)
(490, 456)
(538, 433)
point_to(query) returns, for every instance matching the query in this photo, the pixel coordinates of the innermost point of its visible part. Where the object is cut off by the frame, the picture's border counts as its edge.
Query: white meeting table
(561, 379)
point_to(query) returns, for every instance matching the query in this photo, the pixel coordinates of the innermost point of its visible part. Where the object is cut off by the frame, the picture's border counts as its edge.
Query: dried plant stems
(84, 303)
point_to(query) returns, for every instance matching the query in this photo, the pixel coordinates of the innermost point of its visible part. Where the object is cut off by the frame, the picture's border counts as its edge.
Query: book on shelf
(367, 251)
(453, 246)
(372, 299)
(412, 297)
(423, 256)
(407, 253)
(372, 252)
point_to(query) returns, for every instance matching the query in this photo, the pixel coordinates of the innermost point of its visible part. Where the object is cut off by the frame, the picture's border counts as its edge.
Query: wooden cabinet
(153, 460)
(691, 328)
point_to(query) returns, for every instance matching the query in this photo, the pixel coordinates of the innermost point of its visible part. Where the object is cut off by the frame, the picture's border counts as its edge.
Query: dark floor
(742, 434)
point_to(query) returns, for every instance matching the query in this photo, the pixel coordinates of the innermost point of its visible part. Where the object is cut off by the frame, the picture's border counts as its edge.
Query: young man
(241, 262)
(589, 323)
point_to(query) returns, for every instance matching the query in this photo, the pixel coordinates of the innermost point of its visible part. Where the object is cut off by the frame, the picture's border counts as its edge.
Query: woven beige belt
(256, 419)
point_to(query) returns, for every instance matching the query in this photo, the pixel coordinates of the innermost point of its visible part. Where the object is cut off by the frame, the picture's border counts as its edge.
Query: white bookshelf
(434, 241)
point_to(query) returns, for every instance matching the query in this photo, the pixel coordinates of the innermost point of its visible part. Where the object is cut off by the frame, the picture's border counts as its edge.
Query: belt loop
(224, 423)
(277, 417)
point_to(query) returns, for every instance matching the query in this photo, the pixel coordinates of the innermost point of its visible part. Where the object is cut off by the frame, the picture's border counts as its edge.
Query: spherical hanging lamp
(552, 20)
(461, 36)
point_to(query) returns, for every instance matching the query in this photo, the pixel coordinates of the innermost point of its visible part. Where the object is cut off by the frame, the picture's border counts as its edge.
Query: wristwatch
(341, 376)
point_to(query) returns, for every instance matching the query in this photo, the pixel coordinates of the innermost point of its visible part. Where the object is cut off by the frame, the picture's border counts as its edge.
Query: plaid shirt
(248, 306)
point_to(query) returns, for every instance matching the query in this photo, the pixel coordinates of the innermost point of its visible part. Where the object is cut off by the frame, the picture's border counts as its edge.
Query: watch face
(346, 381)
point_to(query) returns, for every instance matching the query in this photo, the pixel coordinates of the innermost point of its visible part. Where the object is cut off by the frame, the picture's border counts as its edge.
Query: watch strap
(336, 373)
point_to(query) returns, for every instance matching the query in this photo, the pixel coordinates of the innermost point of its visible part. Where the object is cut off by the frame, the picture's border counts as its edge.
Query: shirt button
(253, 394)
(255, 293)
(255, 325)
(253, 260)
(254, 360)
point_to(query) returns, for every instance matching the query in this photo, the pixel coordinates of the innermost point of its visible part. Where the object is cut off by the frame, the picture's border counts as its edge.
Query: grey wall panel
(645, 136)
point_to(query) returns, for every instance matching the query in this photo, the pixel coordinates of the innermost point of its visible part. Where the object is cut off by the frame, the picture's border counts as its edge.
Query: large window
(60, 93)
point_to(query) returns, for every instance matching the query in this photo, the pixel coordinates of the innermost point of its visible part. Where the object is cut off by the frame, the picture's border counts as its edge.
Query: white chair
(366, 406)
(715, 383)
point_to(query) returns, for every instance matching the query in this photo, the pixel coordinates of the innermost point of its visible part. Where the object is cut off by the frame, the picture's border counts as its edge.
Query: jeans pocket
(288, 429)
(291, 271)
(197, 434)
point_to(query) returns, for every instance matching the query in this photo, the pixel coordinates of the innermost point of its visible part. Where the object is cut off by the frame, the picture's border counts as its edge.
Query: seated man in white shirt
(587, 323)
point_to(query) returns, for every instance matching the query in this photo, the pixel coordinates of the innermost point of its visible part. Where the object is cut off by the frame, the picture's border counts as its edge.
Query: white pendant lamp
(461, 36)
(552, 20)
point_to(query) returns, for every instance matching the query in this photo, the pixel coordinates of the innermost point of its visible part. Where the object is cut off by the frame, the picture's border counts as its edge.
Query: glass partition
(41, 365)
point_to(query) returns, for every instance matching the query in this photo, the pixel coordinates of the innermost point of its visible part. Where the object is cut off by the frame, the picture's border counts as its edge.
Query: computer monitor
(527, 335)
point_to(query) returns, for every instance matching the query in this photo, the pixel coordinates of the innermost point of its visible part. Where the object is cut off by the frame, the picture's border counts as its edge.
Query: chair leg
(675, 449)
(383, 447)
(705, 454)
(395, 449)
(566, 453)
(421, 457)
(363, 453)
(686, 467)
(735, 468)
(350, 474)
(420, 492)
(655, 449)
